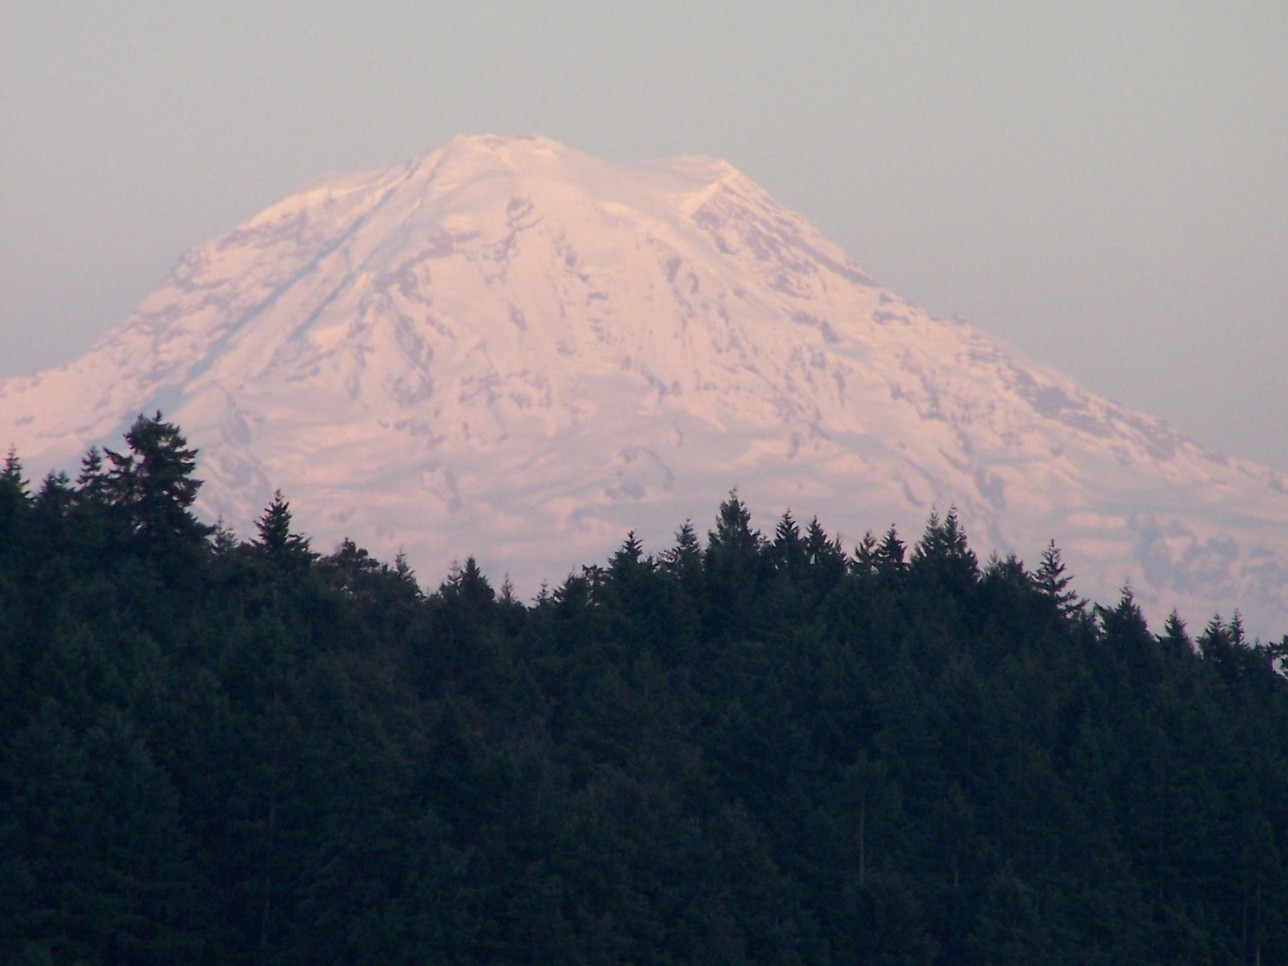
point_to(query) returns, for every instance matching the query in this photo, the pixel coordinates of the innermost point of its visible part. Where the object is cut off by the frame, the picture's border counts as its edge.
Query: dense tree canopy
(757, 748)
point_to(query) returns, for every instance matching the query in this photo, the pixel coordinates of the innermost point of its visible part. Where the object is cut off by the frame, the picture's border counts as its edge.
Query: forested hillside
(751, 747)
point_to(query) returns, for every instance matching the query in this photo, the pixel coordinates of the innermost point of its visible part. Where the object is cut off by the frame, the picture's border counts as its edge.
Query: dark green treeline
(750, 748)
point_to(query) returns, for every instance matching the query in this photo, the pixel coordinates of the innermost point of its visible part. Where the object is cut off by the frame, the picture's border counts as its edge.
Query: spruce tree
(154, 482)
(283, 547)
(1053, 583)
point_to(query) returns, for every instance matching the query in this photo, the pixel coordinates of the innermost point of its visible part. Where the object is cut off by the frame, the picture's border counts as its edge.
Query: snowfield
(509, 349)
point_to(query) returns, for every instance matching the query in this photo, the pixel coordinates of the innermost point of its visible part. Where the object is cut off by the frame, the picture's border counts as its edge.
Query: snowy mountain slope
(510, 349)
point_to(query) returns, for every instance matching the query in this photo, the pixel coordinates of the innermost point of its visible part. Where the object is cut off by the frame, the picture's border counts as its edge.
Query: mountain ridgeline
(505, 330)
(748, 747)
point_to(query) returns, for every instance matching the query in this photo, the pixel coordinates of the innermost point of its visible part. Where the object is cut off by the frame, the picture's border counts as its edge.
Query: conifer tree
(825, 556)
(742, 752)
(787, 552)
(733, 542)
(154, 482)
(1053, 583)
(282, 546)
(888, 556)
(732, 566)
(12, 482)
(469, 585)
(92, 481)
(942, 557)
(683, 562)
(632, 580)
(864, 561)
(1175, 638)
(15, 499)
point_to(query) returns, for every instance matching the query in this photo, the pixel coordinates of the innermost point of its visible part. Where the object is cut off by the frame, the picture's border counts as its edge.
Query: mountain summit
(510, 349)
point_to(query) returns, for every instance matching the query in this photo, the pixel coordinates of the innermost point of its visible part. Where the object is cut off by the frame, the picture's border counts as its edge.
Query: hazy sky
(1104, 185)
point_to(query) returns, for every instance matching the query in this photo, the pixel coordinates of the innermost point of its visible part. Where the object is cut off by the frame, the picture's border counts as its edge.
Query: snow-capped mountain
(509, 349)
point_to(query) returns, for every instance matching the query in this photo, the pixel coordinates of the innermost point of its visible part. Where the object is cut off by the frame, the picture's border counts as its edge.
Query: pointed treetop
(1175, 637)
(788, 549)
(93, 477)
(686, 543)
(630, 553)
(154, 481)
(12, 471)
(467, 583)
(1053, 583)
(275, 535)
(683, 562)
(890, 553)
(1125, 620)
(733, 530)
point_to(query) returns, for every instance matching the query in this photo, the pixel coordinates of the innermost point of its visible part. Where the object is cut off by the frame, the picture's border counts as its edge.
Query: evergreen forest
(749, 747)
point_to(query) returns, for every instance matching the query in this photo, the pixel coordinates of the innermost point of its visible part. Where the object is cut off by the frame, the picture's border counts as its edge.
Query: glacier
(509, 349)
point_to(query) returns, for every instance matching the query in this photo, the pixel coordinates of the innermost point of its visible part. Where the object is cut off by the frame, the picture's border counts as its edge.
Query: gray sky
(1104, 185)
